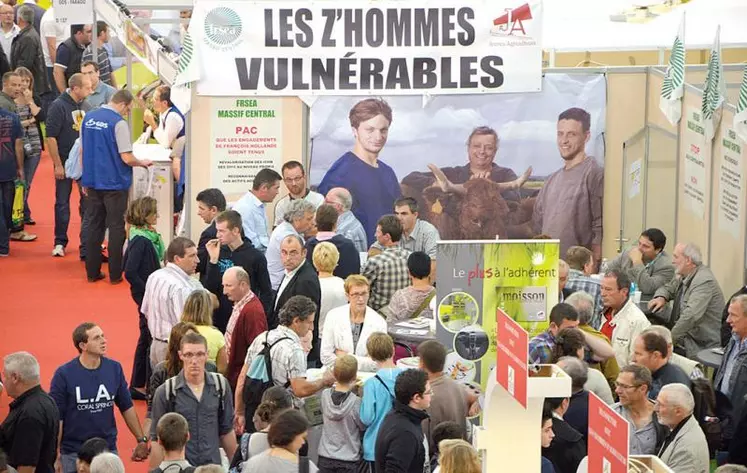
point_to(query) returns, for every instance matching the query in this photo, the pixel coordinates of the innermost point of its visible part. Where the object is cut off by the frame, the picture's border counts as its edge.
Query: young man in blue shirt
(85, 390)
(11, 167)
(371, 182)
(107, 177)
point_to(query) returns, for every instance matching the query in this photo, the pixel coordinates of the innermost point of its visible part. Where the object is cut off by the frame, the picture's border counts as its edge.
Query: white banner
(730, 178)
(368, 47)
(696, 156)
(246, 136)
(73, 12)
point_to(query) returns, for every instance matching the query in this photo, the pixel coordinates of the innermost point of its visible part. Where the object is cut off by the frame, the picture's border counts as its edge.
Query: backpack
(219, 381)
(170, 469)
(707, 415)
(259, 379)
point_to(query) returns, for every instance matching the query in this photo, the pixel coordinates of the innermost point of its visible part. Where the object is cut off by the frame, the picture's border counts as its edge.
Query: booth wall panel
(639, 58)
(293, 147)
(692, 228)
(727, 251)
(661, 165)
(626, 115)
(697, 78)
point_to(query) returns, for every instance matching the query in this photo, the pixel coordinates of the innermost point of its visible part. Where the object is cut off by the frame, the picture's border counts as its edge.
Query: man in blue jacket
(107, 177)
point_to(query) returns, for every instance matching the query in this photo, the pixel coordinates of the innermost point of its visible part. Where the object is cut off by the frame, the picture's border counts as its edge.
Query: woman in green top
(143, 256)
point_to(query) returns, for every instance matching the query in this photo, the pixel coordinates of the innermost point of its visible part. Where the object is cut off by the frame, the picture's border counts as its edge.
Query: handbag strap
(423, 304)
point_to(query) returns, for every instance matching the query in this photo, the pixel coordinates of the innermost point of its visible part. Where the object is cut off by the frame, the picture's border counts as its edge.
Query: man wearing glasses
(107, 177)
(204, 399)
(632, 387)
(294, 179)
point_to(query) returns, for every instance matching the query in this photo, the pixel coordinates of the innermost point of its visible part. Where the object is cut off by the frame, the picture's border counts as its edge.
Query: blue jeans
(29, 169)
(62, 190)
(7, 192)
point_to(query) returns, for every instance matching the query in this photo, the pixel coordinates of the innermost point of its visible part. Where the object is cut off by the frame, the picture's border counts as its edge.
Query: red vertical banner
(512, 357)
(608, 438)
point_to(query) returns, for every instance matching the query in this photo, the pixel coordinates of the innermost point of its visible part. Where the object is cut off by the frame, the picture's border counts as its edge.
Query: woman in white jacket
(347, 328)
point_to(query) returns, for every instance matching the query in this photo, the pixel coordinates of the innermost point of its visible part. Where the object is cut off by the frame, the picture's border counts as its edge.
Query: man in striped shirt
(166, 291)
(102, 56)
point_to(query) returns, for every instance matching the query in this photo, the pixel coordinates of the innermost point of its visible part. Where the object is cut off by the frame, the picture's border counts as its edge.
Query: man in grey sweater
(340, 446)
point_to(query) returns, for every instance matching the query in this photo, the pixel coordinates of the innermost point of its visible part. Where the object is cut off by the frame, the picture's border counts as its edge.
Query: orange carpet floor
(42, 299)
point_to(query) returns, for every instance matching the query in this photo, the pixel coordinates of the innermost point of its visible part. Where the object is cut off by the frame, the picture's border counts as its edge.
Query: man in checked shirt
(387, 272)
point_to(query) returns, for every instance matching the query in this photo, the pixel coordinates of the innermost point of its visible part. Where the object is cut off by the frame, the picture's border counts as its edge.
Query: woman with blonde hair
(198, 309)
(325, 259)
(347, 328)
(458, 456)
(29, 110)
(144, 254)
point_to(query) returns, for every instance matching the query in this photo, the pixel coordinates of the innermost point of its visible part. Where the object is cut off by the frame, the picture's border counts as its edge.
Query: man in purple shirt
(371, 182)
(569, 206)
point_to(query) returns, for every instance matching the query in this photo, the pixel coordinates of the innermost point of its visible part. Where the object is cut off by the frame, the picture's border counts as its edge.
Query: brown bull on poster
(475, 210)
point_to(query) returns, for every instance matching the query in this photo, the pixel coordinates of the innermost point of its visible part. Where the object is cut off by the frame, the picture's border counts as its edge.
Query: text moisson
(353, 73)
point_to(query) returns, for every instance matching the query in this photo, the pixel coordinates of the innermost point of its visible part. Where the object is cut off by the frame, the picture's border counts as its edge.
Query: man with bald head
(63, 123)
(247, 320)
(347, 225)
(697, 302)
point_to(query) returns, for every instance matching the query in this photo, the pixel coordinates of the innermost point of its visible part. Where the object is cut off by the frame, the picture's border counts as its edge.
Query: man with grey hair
(299, 279)
(26, 51)
(297, 317)
(691, 367)
(347, 224)
(29, 434)
(578, 409)
(298, 219)
(731, 377)
(685, 448)
(248, 319)
(730, 468)
(632, 387)
(697, 302)
(107, 462)
(598, 353)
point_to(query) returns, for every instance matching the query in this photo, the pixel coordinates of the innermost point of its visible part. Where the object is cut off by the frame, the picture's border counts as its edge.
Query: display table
(156, 181)
(710, 357)
(406, 332)
(510, 435)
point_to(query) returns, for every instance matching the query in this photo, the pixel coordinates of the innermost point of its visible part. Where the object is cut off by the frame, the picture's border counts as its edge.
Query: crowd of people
(631, 335)
(231, 327)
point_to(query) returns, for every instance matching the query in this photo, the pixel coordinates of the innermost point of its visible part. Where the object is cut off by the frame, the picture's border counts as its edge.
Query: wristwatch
(142, 440)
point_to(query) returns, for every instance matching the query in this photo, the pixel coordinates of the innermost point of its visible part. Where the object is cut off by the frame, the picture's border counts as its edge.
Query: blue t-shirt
(374, 190)
(10, 131)
(86, 399)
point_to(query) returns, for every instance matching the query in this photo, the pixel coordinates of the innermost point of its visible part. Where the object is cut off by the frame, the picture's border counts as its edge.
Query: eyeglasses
(189, 355)
(358, 295)
(428, 393)
(626, 386)
(293, 179)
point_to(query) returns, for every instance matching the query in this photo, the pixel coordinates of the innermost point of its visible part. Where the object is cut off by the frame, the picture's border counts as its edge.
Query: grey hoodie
(341, 433)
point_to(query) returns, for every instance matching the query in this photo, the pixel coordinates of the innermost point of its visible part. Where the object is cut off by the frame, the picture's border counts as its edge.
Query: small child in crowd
(447, 430)
(378, 392)
(340, 446)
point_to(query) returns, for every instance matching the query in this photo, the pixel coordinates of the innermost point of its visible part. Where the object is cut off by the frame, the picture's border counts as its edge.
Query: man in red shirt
(247, 319)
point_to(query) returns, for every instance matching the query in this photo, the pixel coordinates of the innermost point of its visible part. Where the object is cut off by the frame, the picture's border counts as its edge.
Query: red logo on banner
(513, 353)
(608, 438)
(513, 20)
